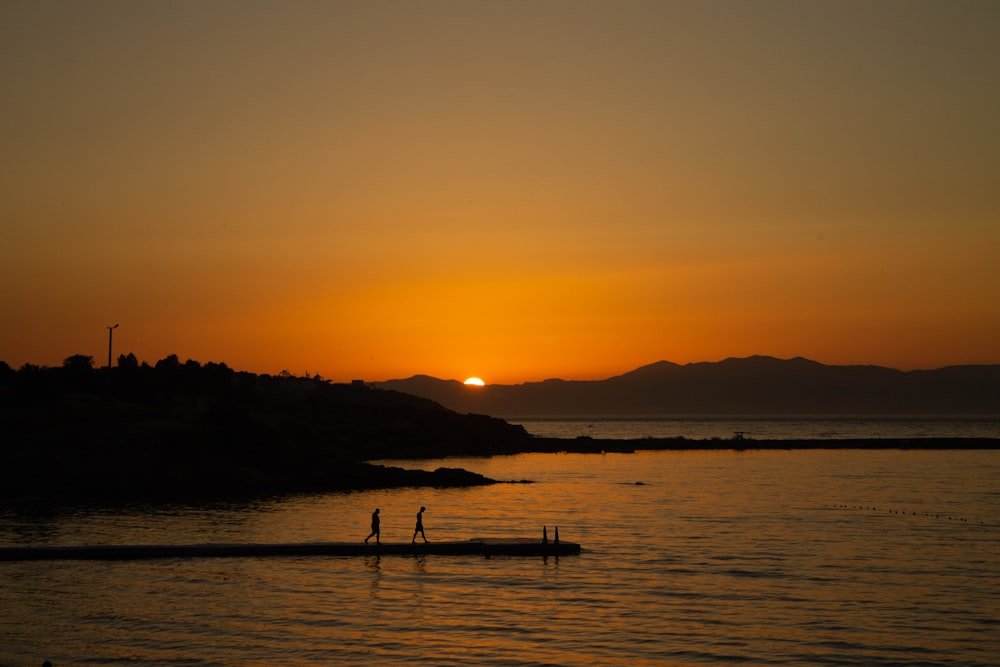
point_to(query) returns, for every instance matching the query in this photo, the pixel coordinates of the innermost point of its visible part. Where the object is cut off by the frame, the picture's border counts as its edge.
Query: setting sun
(476, 382)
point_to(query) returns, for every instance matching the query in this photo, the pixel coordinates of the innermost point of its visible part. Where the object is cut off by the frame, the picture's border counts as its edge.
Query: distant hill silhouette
(755, 385)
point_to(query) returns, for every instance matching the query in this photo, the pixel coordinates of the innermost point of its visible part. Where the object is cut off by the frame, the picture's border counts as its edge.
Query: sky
(514, 190)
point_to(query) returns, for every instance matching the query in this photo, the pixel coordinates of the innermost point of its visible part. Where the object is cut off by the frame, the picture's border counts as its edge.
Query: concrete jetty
(475, 547)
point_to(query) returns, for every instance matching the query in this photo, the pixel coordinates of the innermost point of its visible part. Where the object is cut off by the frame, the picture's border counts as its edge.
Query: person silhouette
(375, 528)
(420, 526)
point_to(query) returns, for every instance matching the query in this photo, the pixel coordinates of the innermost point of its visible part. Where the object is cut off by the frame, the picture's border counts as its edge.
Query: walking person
(420, 526)
(376, 533)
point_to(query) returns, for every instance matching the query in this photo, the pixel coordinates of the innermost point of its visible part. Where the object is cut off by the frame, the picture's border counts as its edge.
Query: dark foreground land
(191, 431)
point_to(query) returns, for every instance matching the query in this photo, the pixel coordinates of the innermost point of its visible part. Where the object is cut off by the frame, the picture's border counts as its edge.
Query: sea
(749, 557)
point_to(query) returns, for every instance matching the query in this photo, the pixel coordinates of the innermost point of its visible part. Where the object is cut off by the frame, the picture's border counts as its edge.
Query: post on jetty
(553, 548)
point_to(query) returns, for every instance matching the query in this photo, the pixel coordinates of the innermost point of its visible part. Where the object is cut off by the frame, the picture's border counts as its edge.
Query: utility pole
(111, 331)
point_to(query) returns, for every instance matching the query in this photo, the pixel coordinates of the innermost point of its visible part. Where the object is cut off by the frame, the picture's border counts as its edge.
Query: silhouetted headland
(191, 430)
(187, 430)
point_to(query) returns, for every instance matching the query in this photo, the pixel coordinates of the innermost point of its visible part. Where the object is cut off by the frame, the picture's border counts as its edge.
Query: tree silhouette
(78, 372)
(168, 362)
(79, 363)
(128, 361)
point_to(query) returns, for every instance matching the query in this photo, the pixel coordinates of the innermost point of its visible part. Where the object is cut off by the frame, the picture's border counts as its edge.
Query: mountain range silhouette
(757, 385)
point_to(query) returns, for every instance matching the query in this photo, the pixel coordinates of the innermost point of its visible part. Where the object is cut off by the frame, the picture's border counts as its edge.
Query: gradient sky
(514, 190)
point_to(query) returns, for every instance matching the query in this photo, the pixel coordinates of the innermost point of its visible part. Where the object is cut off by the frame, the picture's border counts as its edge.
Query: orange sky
(513, 190)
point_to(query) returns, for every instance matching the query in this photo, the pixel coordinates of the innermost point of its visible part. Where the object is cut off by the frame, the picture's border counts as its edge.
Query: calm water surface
(783, 557)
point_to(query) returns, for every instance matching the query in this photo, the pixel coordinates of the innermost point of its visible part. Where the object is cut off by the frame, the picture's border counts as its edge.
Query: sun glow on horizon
(475, 382)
